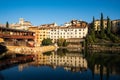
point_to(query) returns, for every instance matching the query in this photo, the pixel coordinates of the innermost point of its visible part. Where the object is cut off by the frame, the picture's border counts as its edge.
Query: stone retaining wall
(104, 48)
(29, 50)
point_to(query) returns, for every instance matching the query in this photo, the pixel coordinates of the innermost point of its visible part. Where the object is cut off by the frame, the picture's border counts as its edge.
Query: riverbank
(104, 47)
(29, 50)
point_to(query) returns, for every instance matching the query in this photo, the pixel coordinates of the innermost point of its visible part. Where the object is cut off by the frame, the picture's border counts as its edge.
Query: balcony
(16, 36)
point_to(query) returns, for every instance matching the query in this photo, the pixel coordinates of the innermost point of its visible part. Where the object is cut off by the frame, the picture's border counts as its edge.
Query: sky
(57, 11)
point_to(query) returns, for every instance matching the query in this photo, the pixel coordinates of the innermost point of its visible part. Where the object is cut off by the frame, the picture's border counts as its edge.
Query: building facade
(22, 24)
(68, 32)
(116, 25)
(76, 31)
(97, 24)
(40, 34)
(15, 37)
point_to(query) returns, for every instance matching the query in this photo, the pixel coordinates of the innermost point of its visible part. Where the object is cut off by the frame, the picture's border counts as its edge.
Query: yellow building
(44, 33)
(97, 24)
(115, 25)
(37, 35)
(40, 34)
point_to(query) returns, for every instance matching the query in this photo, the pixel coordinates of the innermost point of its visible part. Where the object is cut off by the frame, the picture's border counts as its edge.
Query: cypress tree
(93, 24)
(102, 26)
(93, 29)
(101, 22)
(7, 25)
(108, 25)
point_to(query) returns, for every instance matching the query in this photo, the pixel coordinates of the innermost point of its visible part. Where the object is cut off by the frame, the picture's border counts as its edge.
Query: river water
(63, 64)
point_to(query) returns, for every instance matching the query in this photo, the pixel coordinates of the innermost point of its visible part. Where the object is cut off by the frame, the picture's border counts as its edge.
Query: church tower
(21, 21)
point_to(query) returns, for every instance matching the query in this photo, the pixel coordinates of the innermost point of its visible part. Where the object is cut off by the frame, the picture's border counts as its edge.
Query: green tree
(93, 24)
(89, 39)
(108, 25)
(60, 42)
(47, 41)
(101, 22)
(65, 43)
(93, 29)
(7, 25)
(102, 27)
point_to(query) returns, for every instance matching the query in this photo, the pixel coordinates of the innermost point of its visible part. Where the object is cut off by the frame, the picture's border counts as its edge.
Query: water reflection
(9, 61)
(58, 65)
(104, 64)
(74, 62)
(69, 61)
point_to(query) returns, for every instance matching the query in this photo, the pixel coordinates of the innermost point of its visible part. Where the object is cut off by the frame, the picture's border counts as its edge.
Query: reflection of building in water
(97, 69)
(71, 61)
(105, 70)
(22, 66)
(41, 59)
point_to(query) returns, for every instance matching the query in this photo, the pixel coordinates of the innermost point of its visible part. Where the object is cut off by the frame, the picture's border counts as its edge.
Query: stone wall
(29, 50)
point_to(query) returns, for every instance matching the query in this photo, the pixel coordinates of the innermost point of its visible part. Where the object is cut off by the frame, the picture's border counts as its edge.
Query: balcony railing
(16, 36)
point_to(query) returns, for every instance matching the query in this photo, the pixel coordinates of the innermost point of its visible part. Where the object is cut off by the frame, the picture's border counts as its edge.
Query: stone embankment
(99, 48)
(29, 50)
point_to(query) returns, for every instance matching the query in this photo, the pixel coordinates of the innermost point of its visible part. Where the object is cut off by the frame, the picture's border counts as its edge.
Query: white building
(54, 32)
(23, 25)
(67, 24)
(68, 32)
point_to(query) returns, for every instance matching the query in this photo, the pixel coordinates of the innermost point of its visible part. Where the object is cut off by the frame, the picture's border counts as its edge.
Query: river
(62, 64)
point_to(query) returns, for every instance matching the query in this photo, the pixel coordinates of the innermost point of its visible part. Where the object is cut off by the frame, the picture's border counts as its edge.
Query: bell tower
(21, 21)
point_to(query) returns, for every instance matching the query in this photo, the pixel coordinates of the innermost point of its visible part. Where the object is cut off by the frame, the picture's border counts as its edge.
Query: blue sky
(59, 11)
